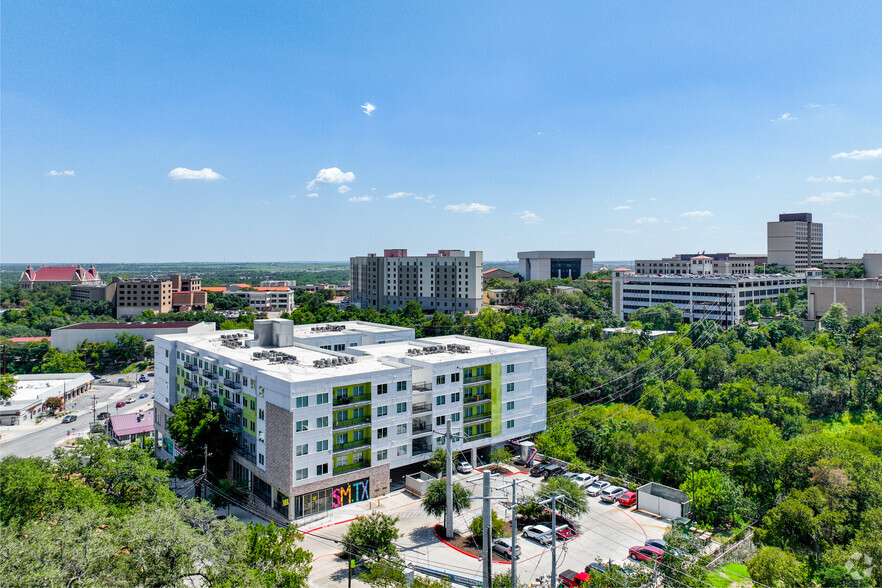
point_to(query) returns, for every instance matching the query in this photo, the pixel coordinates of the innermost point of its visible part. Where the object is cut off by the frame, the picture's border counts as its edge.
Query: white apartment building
(276, 298)
(318, 429)
(723, 263)
(795, 242)
(699, 295)
(544, 265)
(449, 281)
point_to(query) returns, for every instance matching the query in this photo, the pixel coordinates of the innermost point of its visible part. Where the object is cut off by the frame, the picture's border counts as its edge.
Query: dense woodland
(763, 423)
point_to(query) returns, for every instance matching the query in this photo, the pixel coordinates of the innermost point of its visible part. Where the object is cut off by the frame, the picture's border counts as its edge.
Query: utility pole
(487, 519)
(204, 476)
(448, 519)
(514, 533)
(554, 540)
(94, 401)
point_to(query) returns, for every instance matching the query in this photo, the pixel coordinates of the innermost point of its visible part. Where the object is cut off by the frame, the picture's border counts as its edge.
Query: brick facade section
(280, 452)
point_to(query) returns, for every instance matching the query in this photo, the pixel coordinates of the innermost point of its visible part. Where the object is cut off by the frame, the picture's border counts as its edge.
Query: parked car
(573, 579)
(645, 553)
(120, 404)
(584, 480)
(150, 374)
(539, 533)
(130, 399)
(464, 467)
(142, 395)
(658, 543)
(538, 469)
(596, 488)
(143, 379)
(554, 470)
(122, 380)
(571, 475)
(611, 493)
(69, 418)
(628, 499)
(103, 381)
(103, 415)
(503, 547)
(565, 532)
(595, 568)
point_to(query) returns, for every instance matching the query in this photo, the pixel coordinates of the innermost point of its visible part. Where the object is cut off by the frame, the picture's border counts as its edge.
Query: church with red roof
(55, 275)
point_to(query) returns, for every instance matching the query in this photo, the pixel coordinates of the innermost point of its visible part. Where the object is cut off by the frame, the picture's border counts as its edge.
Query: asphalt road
(48, 434)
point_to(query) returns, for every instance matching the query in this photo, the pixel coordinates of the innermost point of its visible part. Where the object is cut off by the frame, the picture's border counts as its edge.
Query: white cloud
(825, 197)
(812, 105)
(292, 196)
(368, 108)
(265, 202)
(784, 117)
(67, 172)
(530, 218)
(343, 189)
(312, 195)
(873, 192)
(623, 231)
(206, 173)
(426, 199)
(681, 228)
(697, 214)
(629, 200)
(398, 195)
(652, 199)
(845, 216)
(331, 175)
(860, 154)
(646, 220)
(361, 198)
(841, 180)
(623, 207)
(473, 207)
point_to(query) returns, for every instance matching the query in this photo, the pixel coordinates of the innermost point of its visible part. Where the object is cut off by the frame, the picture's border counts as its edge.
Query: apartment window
(454, 377)
(321, 398)
(301, 426)
(260, 391)
(321, 446)
(454, 397)
(382, 411)
(260, 436)
(260, 458)
(302, 473)
(402, 429)
(439, 379)
(301, 449)
(509, 387)
(509, 424)
(341, 461)
(439, 400)
(166, 352)
(260, 414)
(321, 422)
(455, 417)
(402, 450)
(401, 386)
(440, 420)
(321, 470)
(339, 346)
(382, 454)
(401, 407)
(509, 405)
(509, 369)
(382, 388)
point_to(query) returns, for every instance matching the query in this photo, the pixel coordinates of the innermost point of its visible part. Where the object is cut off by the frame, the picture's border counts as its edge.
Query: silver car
(584, 480)
(503, 546)
(612, 493)
(596, 488)
(539, 533)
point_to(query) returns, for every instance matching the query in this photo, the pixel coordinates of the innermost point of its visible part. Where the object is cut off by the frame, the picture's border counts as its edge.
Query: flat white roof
(555, 254)
(31, 387)
(478, 349)
(304, 331)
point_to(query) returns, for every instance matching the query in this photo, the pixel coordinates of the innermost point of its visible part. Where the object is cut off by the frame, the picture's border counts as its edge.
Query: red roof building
(126, 428)
(54, 275)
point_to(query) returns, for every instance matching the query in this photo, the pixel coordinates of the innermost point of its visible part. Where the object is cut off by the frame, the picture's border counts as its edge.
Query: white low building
(318, 428)
(33, 390)
(69, 337)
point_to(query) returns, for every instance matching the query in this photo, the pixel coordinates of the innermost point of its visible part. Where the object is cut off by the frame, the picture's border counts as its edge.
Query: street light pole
(487, 520)
(514, 533)
(448, 518)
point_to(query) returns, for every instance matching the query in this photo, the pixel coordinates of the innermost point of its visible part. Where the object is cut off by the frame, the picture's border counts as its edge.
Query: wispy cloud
(873, 192)
(844, 215)
(292, 196)
(312, 195)
(331, 175)
(681, 228)
(841, 180)
(622, 207)
(466, 208)
(697, 214)
(397, 195)
(206, 174)
(67, 172)
(343, 189)
(368, 108)
(361, 198)
(784, 118)
(812, 105)
(646, 220)
(530, 218)
(860, 154)
(427, 199)
(623, 231)
(826, 197)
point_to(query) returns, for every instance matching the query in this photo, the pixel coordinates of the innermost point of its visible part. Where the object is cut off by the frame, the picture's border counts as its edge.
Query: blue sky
(199, 131)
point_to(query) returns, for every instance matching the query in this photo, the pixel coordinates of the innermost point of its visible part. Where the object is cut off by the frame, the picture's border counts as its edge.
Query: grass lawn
(729, 575)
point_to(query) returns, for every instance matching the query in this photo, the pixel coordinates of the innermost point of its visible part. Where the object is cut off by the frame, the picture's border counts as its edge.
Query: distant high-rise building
(448, 281)
(544, 265)
(795, 242)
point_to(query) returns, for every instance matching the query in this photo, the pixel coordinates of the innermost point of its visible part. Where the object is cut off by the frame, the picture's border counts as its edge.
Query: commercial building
(701, 295)
(69, 337)
(498, 274)
(318, 429)
(498, 297)
(131, 427)
(33, 390)
(59, 275)
(449, 281)
(860, 296)
(723, 263)
(267, 298)
(795, 241)
(173, 294)
(871, 262)
(544, 265)
(279, 283)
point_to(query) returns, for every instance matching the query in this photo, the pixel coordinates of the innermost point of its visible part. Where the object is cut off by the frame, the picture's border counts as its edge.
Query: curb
(455, 548)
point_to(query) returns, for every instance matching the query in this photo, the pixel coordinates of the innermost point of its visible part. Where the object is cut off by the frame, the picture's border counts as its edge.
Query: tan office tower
(795, 242)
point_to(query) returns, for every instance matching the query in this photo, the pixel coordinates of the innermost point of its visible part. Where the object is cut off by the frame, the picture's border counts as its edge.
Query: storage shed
(664, 501)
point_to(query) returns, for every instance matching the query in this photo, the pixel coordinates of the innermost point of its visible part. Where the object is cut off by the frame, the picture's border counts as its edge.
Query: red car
(565, 532)
(646, 553)
(120, 404)
(628, 499)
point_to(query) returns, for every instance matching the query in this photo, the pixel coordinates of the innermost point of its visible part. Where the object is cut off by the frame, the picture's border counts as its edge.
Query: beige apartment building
(723, 264)
(860, 296)
(795, 241)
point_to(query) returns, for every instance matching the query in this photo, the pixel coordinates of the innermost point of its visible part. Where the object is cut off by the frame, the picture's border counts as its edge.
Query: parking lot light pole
(488, 532)
(514, 533)
(448, 518)
(553, 501)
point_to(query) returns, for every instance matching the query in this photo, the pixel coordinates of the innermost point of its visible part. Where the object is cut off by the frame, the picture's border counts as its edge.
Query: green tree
(437, 464)
(372, 536)
(7, 386)
(575, 501)
(715, 496)
(783, 303)
(435, 499)
(500, 455)
(194, 426)
(56, 362)
(663, 317)
(275, 558)
(771, 566)
(53, 403)
(767, 308)
(476, 527)
(227, 493)
(835, 319)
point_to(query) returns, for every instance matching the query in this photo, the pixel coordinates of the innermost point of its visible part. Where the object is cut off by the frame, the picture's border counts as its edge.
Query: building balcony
(242, 452)
(351, 467)
(191, 367)
(422, 386)
(419, 428)
(421, 408)
(477, 436)
(484, 416)
(352, 422)
(209, 375)
(190, 385)
(233, 427)
(420, 448)
(476, 379)
(232, 408)
(352, 400)
(341, 447)
(232, 385)
(475, 398)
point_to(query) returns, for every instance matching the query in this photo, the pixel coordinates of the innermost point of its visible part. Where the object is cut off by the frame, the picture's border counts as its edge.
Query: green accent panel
(496, 398)
(247, 413)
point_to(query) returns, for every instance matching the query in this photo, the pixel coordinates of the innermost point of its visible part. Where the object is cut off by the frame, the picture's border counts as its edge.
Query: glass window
(401, 407)
(382, 411)
(321, 398)
(454, 377)
(301, 449)
(322, 469)
(402, 450)
(401, 386)
(382, 454)
(301, 426)
(382, 388)
(509, 405)
(439, 379)
(454, 397)
(509, 369)
(321, 422)
(509, 387)
(402, 429)
(321, 445)
(302, 473)
(439, 400)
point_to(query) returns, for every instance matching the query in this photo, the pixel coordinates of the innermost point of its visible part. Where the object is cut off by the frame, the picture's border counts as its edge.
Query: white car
(584, 480)
(539, 533)
(464, 467)
(596, 488)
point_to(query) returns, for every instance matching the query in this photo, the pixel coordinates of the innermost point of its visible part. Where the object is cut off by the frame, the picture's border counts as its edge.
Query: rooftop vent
(328, 328)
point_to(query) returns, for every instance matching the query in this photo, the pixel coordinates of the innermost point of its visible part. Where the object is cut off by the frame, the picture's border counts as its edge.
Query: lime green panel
(247, 412)
(496, 398)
